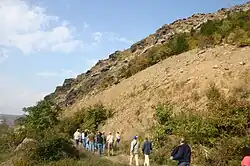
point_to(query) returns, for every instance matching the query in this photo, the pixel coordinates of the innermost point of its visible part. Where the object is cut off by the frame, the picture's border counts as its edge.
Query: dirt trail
(117, 158)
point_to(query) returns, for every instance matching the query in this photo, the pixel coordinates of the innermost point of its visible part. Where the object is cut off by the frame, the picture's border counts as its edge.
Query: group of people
(181, 153)
(97, 141)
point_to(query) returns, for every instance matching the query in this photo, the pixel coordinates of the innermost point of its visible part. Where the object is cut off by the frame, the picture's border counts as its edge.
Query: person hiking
(84, 138)
(134, 150)
(104, 142)
(91, 140)
(99, 142)
(182, 153)
(95, 142)
(246, 157)
(118, 139)
(110, 140)
(146, 150)
(77, 137)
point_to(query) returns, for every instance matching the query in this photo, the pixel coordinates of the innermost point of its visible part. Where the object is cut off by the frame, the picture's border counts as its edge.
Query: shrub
(213, 92)
(161, 157)
(94, 116)
(210, 27)
(217, 38)
(205, 41)
(178, 44)
(225, 28)
(228, 151)
(70, 125)
(198, 130)
(86, 118)
(20, 121)
(157, 54)
(107, 81)
(5, 150)
(230, 114)
(224, 128)
(41, 117)
(135, 65)
(54, 147)
(163, 113)
(193, 42)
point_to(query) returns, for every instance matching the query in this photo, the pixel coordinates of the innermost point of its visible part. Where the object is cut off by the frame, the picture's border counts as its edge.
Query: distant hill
(9, 118)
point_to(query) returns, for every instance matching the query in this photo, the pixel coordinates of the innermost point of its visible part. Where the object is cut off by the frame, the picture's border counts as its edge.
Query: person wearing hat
(134, 150)
(182, 153)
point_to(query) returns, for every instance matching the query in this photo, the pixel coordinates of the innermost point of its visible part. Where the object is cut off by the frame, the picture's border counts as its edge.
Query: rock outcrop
(22, 145)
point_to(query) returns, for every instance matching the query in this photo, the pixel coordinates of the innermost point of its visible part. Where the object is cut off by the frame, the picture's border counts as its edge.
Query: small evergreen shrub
(178, 44)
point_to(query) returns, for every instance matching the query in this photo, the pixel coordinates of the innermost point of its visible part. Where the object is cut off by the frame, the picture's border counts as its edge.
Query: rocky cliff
(106, 72)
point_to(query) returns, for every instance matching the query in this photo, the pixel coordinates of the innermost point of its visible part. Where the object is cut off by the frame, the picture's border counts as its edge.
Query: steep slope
(108, 71)
(182, 80)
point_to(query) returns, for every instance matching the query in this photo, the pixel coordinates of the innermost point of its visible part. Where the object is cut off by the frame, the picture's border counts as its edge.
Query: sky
(42, 42)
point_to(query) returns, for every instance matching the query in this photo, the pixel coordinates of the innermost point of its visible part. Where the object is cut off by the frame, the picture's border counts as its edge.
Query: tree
(42, 116)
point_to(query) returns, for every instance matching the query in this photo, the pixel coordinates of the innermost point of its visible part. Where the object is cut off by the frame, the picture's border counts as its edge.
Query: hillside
(182, 80)
(110, 71)
(189, 79)
(177, 79)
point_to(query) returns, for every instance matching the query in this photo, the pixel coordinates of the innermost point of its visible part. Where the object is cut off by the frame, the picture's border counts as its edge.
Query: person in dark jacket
(146, 150)
(182, 154)
(99, 141)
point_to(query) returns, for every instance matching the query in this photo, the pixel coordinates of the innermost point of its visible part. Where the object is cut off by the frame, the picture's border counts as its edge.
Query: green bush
(86, 118)
(225, 28)
(4, 144)
(161, 157)
(95, 116)
(223, 130)
(210, 27)
(40, 117)
(178, 44)
(197, 129)
(213, 93)
(70, 125)
(163, 113)
(157, 54)
(135, 65)
(54, 147)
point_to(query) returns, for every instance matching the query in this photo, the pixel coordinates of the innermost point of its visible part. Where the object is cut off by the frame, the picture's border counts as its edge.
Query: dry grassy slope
(180, 79)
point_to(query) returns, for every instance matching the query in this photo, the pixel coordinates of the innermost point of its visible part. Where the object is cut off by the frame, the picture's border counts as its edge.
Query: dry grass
(183, 85)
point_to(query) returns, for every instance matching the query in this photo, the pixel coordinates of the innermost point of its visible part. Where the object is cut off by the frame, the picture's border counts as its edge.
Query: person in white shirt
(77, 137)
(110, 141)
(134, 150)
